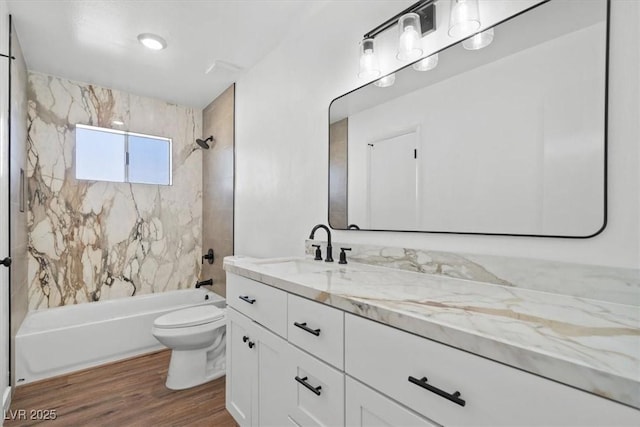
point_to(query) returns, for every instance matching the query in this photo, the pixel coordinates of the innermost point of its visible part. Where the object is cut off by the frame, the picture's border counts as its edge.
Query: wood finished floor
(126, 393)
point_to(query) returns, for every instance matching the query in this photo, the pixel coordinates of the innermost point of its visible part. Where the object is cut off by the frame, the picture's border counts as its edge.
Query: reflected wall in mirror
(509, 139)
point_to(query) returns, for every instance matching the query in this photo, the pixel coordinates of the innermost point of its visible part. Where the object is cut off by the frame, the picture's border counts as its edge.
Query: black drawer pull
(304, 327)
(304, 382)
(246, 298)
(455, 397)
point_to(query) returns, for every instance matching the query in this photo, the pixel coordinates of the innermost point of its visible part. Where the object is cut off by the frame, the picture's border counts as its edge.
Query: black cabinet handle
(303, 381)
(304, 327)
(251, 344)
(6, 262)
(246, 298)
(455, 397)
(245, 338)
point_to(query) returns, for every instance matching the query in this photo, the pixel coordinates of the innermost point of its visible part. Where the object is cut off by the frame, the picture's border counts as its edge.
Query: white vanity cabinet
(317, 395)
(271, 382)
(317, 329)
(264, 304)
(255, 370)
(453, 387)
(241, 368)
(366, 407)
(292, 361)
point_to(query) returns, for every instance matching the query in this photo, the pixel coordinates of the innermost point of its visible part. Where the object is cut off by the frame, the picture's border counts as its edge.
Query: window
(118, 156)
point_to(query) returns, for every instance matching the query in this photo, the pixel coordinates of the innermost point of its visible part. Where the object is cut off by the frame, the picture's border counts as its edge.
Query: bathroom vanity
(315, 343)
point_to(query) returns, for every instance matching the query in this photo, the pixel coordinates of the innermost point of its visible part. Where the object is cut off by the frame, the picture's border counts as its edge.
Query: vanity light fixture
(369, 66)
(386, 81)
(479, 40)
(426, 64)
(410, 35)
(464, 18)
(152, 41)
(414, 22)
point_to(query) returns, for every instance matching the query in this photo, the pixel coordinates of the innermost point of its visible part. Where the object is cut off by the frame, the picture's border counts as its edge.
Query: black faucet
(208, 282)
(329, 257)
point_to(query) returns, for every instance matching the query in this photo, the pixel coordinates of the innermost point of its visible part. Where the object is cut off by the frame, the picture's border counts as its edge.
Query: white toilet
(196, 336)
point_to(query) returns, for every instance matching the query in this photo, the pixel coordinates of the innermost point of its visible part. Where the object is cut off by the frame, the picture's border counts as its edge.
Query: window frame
(126, 135)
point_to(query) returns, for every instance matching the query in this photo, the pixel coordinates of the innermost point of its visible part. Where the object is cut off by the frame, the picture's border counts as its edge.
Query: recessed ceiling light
(117, 122)
(152, 41)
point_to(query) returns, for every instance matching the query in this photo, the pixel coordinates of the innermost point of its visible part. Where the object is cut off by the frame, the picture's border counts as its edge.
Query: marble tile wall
(18, 162)
(218, 186)
(618, 285)
(91, 241)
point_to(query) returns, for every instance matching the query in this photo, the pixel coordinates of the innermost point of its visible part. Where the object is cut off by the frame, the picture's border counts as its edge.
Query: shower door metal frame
(5, 223)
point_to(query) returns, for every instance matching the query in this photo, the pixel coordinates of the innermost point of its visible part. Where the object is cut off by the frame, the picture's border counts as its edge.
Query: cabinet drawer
(317, 395)
(262, 303)
(492, 393)
(316, 328)
(365, 407)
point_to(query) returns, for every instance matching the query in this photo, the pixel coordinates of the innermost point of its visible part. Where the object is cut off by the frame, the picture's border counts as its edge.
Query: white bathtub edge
(54, 351)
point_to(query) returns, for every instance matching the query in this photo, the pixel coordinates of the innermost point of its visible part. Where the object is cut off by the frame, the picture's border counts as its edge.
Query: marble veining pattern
(89, 240)
(586, 343)
(621, 285)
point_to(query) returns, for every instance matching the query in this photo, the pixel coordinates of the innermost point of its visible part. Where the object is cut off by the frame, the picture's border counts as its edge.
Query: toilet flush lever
(208, 256)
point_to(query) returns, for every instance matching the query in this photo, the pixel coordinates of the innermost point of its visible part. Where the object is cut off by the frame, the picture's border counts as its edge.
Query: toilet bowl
(196, 336)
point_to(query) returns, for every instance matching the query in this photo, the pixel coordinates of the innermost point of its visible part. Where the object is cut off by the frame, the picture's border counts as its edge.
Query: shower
(204, 142)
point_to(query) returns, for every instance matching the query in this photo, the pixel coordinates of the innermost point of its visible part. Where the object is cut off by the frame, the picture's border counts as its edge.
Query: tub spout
(208, 282)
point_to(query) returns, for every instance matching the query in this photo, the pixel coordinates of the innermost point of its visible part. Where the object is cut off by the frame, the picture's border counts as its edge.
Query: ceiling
(95, 41)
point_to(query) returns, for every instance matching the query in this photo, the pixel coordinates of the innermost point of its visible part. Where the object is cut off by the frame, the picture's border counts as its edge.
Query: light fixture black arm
(419, 7)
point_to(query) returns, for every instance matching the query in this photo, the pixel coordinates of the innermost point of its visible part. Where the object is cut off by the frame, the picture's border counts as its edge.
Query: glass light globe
(479, 41)
(410, 35)
(464, 18)
(426, 64)
(369, 66)
(386, 81)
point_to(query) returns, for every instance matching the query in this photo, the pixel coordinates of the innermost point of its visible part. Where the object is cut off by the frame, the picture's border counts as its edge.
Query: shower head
(203, 142)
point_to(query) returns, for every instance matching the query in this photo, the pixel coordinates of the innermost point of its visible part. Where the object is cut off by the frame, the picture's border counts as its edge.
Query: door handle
(6, 262)
(304, 327)
(454, 397)
(303, 381)
(247, 298)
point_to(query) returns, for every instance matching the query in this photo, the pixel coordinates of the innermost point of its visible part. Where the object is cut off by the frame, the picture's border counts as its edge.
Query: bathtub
(66, 339)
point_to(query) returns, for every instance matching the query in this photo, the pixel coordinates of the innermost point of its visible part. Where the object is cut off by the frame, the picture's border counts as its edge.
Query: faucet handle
(343, 255)
(318, 253)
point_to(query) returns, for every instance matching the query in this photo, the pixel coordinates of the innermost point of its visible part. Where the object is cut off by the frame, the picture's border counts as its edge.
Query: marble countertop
(589, 344)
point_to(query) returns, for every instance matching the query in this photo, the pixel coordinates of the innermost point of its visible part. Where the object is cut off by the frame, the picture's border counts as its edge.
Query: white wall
(282, 138)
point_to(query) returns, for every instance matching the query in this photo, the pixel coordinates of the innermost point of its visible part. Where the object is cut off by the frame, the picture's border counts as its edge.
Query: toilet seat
(192, 316)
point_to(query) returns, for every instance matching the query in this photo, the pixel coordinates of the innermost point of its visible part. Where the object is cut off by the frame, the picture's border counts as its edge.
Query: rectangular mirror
(509, 139)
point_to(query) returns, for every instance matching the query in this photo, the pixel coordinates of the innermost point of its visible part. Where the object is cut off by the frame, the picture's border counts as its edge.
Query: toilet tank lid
(191, 316)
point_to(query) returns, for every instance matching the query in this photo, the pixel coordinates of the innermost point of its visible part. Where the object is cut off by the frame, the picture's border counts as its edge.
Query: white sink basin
(293, 265)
